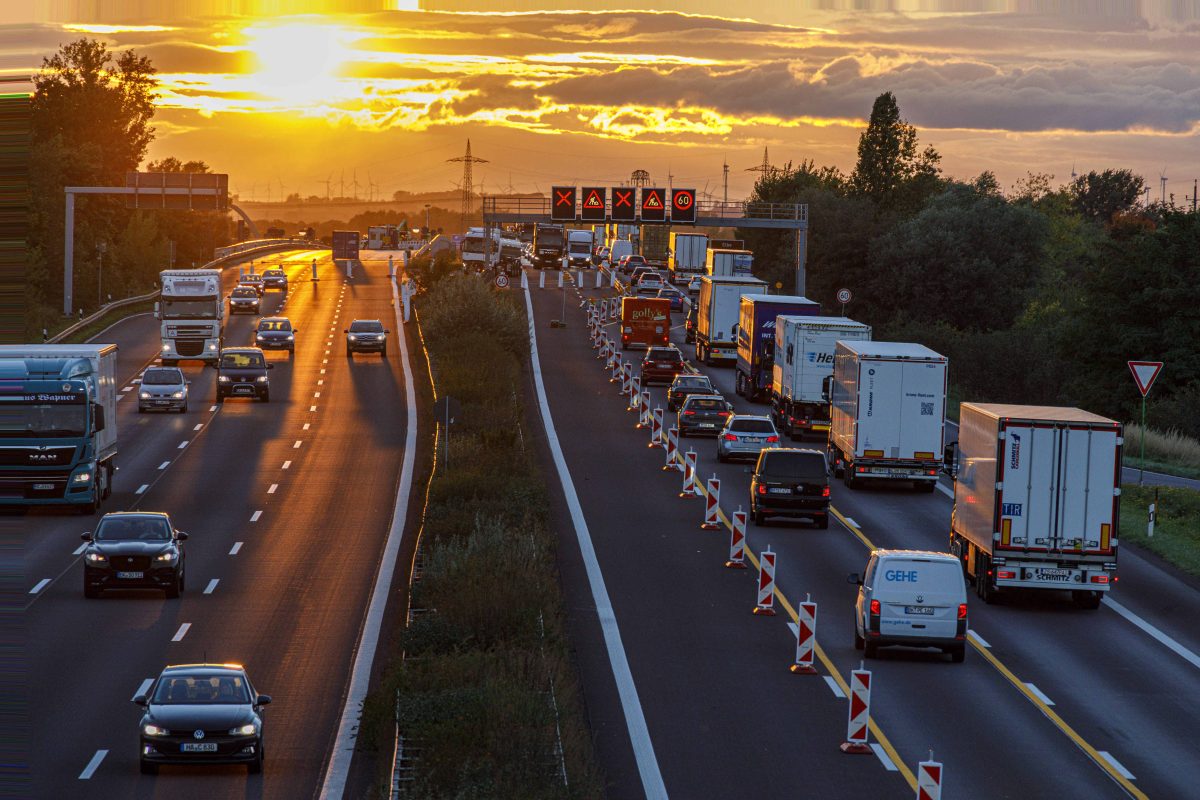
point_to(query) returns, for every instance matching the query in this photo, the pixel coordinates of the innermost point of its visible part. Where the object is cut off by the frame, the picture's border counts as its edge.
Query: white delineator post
(689, 474)
(737, 541)
(712, 506)
(929, 779)
(391, 267)
(859, 722)
(766, 584)
(314, 271)
(806, 638)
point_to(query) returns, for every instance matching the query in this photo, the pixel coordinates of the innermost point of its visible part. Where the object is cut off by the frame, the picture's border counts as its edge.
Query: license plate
(752, 440)
(925, 610)
(708, 424)
(244, 390)
(43, 487)
(198, 747)
(779, 490)
(131, 575)
(1052, 574)
(903, 473)
(162, 402)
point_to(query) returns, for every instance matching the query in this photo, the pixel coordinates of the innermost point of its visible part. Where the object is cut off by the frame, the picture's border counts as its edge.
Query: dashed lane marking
(256, 516)
(833, 687)
(143, 687)
(79, 549)
(37, 587)
(1117, 765)
(312, 408)
(182, 632)
(979, 640)
(296, 446)
(272, 488)
(286, 465)
(882, 755)
(92, 765)
(182, 444)
(236, 547)
(199, 426)
(1038, 693)
(212, 585)
(307, 425)
(141, 489)
(164, 465)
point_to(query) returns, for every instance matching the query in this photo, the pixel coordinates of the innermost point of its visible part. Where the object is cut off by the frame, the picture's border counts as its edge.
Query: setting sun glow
(295, 62)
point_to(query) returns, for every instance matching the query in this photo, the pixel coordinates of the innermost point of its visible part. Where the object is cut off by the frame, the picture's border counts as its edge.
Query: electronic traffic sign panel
(592, 203)
(624, 204)
(654, 204)
(562, 203)
(683, 206)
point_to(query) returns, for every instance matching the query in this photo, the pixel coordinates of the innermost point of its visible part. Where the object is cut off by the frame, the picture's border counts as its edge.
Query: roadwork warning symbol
(654, 205)
(593, 203)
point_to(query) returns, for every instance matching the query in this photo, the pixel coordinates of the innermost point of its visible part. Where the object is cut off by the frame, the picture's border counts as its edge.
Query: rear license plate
(780, 490)
(131, 575)
(708, 424)
(198, 747)
(925, 610)
(1052, 574)
(43, 487)
(752, 440)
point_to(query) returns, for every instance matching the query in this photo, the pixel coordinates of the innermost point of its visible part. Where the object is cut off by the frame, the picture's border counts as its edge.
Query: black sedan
(134, 550)
(685, 384)
(202, 714)
(276, 333)
(366, 336)
(242, 372)
(275, 278)
(244, 300)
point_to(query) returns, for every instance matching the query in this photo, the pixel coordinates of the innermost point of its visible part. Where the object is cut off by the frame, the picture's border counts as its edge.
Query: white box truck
(717, 313)
(1037, 499)
(687, 254)
(190, 309)
(804, 349)
(887, 413)
(726, 263)
(579, 248)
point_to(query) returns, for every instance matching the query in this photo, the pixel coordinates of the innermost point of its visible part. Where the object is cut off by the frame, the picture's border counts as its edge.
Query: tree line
(1037, 295)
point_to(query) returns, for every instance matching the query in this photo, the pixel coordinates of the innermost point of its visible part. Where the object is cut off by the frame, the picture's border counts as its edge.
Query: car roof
(274, 319)
(365, 319)
(242, 350)
(919, 554)
(683, 376)
(740, 417)
(160, 368)
(692, 397)
(196, 669)
(135, 515)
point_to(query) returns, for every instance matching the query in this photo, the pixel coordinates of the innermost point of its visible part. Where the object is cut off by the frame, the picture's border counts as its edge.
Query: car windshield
(251, 279)
(663, 354)
(274, 273)
(752, 426)
(242, 360)
(141, 529)
(361, 326)
(693, 382)
(275, 325)
(244, 291)
(202, 688)
(705, 404)
(162, 377)
(801, 466)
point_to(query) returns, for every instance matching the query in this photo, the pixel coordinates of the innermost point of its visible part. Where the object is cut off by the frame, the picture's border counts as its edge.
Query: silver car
(744, 436)
(163, 389)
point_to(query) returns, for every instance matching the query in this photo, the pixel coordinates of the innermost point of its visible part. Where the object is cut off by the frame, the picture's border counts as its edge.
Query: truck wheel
(823, 522)
(848, 478)
(1087, 599)
(739, 387)
(926, 487)
(90, 592)
(759, 517)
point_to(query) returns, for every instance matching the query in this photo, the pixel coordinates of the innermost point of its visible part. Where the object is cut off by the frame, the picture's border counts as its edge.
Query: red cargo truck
(645, 322)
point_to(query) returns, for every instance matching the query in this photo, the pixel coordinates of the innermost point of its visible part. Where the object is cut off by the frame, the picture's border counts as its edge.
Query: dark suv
(244, 299)
(275, 278)
(133, 550)
(276, 333)
(685, 384)
(662, 364)
(242, 372)
(366, 336)
(703, 413)
(790, 482)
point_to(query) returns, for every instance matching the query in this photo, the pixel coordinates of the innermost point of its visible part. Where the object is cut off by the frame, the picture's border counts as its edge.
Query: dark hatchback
(703, 413)
(242, 372)
(134, 550)
(366, 336)
(662, 364)
(685, 384)
(275, 279)
(202, 714)
(244, 300)
(790, 482)
(276, 333)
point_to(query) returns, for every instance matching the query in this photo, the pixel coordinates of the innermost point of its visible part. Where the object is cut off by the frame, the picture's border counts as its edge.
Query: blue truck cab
(756, 339)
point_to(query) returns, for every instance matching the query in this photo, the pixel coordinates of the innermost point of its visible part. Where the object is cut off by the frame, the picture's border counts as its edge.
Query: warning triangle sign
(1144, 374)
(653, 201)
(593, 200)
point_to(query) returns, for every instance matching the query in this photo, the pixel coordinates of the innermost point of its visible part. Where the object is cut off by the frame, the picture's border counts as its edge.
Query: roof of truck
(892, 350)
(55, 350)
(1039, 413)
(831, 322)
(785, 299)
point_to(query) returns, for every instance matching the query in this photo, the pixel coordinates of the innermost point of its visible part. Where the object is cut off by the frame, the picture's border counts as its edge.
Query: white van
(911, 598)
(619, 247)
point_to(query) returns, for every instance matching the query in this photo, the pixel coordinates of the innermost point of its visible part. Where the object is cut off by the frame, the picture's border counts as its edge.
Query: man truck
(1037, 499)
(804, 348)
(190, 310)
(887, 413)
(718, 307)
(58, 421)
(548, 246)
(756, 339)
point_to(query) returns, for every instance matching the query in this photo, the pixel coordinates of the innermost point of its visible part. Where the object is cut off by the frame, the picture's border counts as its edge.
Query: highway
(1051, 702)
(288, 505)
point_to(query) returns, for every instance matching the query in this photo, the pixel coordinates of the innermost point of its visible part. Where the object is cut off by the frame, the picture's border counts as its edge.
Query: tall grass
(1169, 450)
(1177, 523)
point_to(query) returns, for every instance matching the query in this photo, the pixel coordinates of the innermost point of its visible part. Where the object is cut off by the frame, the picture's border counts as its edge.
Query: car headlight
(244, 730)
(167, 556)
(177, 396)
(352, 337)
(145, 395)
(96, 558)
(223, 378)
(260, 336)
(166, 348)
(154, 730)
(82, 477)
(290, 337)
(262, 378)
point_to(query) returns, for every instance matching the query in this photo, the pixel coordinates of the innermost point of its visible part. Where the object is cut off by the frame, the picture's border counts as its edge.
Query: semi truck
(548, 246)
(655, 241)
(804, 348)
(58, 424)
(645, 322)
(579, 248)
(1037, 496)
(687, 254)
(725, 263)
(345, 245)
(718, 308)
(190, 310)
(477, 251)
(756, 339)
(887, 413)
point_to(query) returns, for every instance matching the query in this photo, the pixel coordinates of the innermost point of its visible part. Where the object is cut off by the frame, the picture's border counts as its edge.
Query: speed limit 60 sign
(683, 206)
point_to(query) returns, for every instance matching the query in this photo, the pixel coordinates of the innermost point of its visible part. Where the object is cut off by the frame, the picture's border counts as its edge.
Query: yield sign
(1144, 374)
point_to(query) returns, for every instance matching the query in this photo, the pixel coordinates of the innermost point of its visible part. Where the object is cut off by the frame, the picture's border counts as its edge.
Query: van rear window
(801, 466)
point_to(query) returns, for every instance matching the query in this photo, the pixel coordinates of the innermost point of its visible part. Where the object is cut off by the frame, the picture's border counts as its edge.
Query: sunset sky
(548, 93)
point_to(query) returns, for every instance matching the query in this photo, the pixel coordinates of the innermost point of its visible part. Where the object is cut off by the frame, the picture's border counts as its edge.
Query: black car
(244, 300)
(662, 364)
(703, 413)
(202, 714)
(242, 372)
(689, 326)
(276, 333)
(685, 384)
(253, 280)
(274, 278)
(366, 336)
(790, 482)
(134, 550)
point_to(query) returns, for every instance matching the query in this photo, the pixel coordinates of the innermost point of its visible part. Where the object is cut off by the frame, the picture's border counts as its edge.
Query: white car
(911, 598)
(163, 389)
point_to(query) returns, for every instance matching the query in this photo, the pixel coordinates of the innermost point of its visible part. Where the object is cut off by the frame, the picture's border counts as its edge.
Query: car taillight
(962, 610)
(931, 472)
(731, 437)
(722, 413)
(875, 607)
(862, 469)
(1099, 579)
(762, 489)
(688, 413)
(772, 439)
(825, 492)
(1006, 574)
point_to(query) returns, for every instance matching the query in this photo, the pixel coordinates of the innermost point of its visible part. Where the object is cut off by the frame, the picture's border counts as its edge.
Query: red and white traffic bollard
(616, 369)
(689, 474)
(635, 394)
(626, 376)
(737, 541)
(672, 447)
(644, 416)
(766, 584)
(712, 506)
(656, 428)
(859, 722)
(615, 310)
(929, 779)
(806, 638)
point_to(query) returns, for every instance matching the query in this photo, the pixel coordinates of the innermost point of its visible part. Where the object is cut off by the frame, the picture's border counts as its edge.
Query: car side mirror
(295, 330)
(188, 382)
(181, 536)
(86, 536)
(141, 700)
(854, 578)
(263, 700)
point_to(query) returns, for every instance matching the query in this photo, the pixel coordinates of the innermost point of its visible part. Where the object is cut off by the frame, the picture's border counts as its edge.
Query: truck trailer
(58, 420)
(645, 322)
(654, 244)
(345, 245)
(803, 364)
(718, 309)
(727, 263)
(190, 311)
(887, 413)
(1037, 496)
(686, 256)
(756, 339)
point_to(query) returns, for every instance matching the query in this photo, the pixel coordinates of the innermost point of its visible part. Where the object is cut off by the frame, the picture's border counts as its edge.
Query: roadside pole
(1144, 375)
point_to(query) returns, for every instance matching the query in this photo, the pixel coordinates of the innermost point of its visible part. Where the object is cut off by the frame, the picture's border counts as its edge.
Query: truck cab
(190, 310)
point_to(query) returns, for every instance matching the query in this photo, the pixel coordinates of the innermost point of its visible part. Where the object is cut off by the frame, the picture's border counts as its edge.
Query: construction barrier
(672, 448)
(689, 474)
(712, 506)
(635, 393)
(560, 279)
(737, 541)
(859, 722)
(579, 278)
(615, 310)
(626, 378)
(766, 584)
(806, 638)
(929, 779)
(644, 416)
(656, 428)
(617, 372)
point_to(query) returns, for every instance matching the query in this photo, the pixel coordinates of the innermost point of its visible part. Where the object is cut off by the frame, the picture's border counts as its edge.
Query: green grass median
(1176, 528)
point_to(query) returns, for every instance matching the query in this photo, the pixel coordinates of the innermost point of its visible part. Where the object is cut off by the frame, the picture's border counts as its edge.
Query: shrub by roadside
(1177, 523)
(486, 689)
(1166, 451)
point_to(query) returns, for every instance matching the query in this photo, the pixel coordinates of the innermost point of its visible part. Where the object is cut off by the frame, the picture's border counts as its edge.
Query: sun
(297, 61)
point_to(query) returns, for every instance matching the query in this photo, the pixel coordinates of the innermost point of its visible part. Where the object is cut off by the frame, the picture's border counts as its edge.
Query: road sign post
(844, 297)
(1145, 373)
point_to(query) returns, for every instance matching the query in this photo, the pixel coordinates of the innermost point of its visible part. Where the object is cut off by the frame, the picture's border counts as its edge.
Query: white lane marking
(948, 492)
(888, 764)
(1036, 692)
(182, 444)
(211, 585)
(142, 488)
(164, 465)
(316, 394)
(286, 465)
(1172, 645)
(127, 389)
(850, 521)
(635, 717)
(93, 765)
(833, 687)
(143, 687)
(212, 408)
(1117, 765)
(272, 488)
(120, 397)
(324, 361)
(307, 425)
(37, 587)
(312, 408)
(255, 516)
(79, 549)
(322, 371)
(236, 547)
(321, 382)
(136, 381)
(182, 632)
(296, 446)
(979, 640)
(199, 425)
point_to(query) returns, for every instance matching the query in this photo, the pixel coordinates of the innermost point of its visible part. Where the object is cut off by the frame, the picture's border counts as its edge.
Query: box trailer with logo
(687, 254)
(887, 413)
(803, 363)
(725, 263)
(645, 322)
(1037, 499)
(718, 307)
(756, 339)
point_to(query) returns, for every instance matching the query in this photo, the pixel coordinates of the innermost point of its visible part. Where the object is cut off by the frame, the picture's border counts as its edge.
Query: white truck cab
(911, 598)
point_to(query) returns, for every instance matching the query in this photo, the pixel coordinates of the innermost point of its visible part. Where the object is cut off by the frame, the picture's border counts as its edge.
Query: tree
(889, 170)
(1100, 195)
(195, 233)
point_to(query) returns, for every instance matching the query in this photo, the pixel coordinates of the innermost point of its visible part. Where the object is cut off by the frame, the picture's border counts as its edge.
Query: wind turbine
(1162, 177)
(1073, 173)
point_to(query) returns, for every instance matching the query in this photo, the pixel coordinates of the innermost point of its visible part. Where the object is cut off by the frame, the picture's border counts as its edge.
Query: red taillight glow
(772, 439)
(875, 607)
(689, 413)
(731, 437)
(762, 489)
(862, 469)
(1099, 579)
(722, 413)
(932, 472)
(1006, 575)
(962, 610)
(825, 492)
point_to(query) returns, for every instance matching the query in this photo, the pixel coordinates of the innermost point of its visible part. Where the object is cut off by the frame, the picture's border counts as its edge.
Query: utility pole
(725, 170)
(467, 161)
(1195, 185)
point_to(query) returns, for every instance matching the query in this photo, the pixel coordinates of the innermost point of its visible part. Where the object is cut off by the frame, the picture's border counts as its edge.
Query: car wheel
(256, 766)
(758, 516)
(291, 351)
(183, 408)
(722, 457)
(848, 479)
(959, 654)
(870, 649)
(91, 592)
(859, 641)
(823, 522)
(266, 396)
(141, 409)
(147, 768)
(383, 353)
(349, 352)
(172, 591)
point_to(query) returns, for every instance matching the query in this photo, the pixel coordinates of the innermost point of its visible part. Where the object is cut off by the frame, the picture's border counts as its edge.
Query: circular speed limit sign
(844, 295)
(502, 281)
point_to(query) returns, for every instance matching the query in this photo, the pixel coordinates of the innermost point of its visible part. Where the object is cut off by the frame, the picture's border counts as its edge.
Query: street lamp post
(427, 220)
(101, 248)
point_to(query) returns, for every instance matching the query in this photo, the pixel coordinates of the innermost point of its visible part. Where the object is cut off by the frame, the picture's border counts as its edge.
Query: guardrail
(242, 247)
